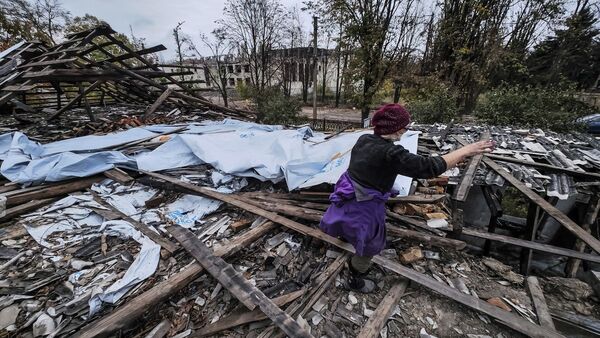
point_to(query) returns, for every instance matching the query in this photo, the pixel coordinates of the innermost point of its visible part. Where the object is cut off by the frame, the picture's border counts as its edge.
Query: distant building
(293, 71)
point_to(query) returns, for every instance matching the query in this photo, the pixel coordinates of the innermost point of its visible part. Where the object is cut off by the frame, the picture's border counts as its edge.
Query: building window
(238, 68)
(230, 69)
(247, 68)
(248, 81)
(232, 82)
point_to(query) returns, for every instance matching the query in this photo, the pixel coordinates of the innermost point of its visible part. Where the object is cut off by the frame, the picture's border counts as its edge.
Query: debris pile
(132, 206)
(216, 244)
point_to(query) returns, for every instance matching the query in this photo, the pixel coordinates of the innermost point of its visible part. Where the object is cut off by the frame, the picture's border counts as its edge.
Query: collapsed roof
(92, 68)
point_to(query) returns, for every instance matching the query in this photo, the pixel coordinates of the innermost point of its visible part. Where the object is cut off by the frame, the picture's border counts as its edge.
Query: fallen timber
(508, 319)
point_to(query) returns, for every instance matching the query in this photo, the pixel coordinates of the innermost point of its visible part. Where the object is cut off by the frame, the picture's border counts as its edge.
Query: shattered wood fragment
(411, 255)
(118, 175)
(237, 285)
(160, 330)
(245, 317)
(240, 225)
(124, 315)
(509, 319)
(378, 319)
(539, 301)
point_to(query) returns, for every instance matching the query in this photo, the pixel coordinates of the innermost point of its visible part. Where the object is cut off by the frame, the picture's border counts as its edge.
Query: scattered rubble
(223, 240)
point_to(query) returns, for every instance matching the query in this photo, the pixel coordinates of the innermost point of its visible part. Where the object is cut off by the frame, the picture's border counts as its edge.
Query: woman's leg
(359, 267)
(361, 263)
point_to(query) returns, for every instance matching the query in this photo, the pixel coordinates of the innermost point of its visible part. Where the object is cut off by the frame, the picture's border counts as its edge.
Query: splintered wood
(511, 320)
(237, 285)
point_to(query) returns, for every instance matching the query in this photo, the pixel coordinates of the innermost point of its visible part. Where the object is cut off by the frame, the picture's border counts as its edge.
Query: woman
(357, 212)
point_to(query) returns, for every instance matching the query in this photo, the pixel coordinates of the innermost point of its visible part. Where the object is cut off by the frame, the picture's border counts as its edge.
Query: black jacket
(375, 162)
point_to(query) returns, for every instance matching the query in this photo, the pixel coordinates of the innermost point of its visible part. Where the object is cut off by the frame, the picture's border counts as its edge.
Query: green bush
(244, 90)
(274, 107)
(554, 108)
(430, 102)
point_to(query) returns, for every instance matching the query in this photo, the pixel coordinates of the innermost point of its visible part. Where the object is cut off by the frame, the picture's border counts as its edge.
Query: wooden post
(157, 103)
(589, 219)
(380, 316)
(236, 283)
(539, 302)
(496, 211)
(531, 230)
(75, 100)
(88, 109)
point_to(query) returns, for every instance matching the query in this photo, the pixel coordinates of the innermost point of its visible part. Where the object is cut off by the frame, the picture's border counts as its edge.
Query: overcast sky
(155, 19)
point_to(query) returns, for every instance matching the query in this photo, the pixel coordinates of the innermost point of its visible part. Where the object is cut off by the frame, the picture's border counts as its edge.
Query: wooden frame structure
(93, 68)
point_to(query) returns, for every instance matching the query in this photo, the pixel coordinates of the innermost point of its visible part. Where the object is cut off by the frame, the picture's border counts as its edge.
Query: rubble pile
(132, 206)
(102, 255)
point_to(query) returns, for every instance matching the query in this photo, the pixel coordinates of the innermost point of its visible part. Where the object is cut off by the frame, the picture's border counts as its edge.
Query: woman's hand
(457, 156)
(480, 147)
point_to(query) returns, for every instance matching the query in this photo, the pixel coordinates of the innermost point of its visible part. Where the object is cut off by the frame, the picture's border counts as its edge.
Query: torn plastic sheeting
(41, 232)
(272, 155)
(188, 209)
(230, 152)
(332, 171)
(23, 164)
(143, 266)
(126, 199)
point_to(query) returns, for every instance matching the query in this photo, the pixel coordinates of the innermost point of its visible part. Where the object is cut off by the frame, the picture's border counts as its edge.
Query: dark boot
(359, 283)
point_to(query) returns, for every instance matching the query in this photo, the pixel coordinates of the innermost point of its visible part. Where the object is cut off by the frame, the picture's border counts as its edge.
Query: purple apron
(357, 214)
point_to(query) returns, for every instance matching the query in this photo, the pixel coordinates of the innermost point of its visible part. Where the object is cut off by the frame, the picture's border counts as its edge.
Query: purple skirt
(360, 222)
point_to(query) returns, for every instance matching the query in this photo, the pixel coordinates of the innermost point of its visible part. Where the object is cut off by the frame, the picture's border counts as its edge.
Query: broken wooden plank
(414, 223)
(157, 103)
(539, 302)
(246, 317)
(124, 315)
(47, 63)
(118, 175)
(532, 245)
(588, 324)
(461, 192)
(235, 283)
(25, 208)
(51, 190)
(509, 319)
(380, 316)
(426, 239)
(317, 288)
(143, 228)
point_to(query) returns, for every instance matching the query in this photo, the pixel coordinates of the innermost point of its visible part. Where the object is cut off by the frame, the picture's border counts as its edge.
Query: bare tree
(214, 68)
(385, 34)
(255, 27)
